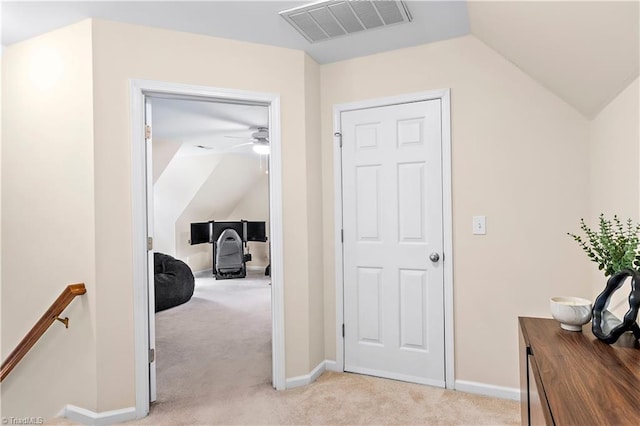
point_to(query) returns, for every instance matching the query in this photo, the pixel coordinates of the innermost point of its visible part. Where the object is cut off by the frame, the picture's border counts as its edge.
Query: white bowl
(571, 312)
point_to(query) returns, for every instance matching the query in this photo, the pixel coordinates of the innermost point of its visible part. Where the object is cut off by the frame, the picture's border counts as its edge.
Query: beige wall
(199, 188)
(254, 206)
(48, 219)
(519, 157)
(93, 153)
(229, 179)
(614, 150)
(614, 178)
(314, 209)
(163, 152)
(122, 52)
(181, 181)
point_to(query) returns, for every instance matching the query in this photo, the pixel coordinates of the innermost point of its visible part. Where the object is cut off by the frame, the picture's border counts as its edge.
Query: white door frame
(138, 89)
(447, 218)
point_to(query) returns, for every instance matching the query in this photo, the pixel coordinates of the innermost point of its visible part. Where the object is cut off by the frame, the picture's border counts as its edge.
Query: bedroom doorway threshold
(143, 315)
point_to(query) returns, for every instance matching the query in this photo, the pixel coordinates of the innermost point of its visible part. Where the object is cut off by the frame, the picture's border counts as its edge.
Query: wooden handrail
(52, 314)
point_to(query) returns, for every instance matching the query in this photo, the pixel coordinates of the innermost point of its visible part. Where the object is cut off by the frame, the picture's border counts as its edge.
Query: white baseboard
(88, 417)
(330, 365)
(298, 381)
(256, 268)
(488, 390)
(460, 385)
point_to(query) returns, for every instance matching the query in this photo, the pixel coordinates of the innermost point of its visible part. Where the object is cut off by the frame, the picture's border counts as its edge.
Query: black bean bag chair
(173, 280)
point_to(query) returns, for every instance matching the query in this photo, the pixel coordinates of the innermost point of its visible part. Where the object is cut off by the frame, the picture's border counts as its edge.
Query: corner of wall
(614, 153)
(88, 417)
(314, 209)
(306, 379)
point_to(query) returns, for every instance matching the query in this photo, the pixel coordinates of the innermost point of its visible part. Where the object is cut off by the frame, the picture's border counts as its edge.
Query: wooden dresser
(572, 378)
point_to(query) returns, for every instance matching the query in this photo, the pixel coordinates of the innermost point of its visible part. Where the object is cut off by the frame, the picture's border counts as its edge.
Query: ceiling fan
(259, 139)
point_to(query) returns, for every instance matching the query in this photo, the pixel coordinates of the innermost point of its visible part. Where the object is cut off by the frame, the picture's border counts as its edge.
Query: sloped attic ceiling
(585, 52)
(204, 156)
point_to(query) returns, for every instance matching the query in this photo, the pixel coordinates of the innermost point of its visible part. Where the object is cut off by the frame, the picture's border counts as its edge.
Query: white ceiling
(586, 52)
(207, 127)
(253, 21)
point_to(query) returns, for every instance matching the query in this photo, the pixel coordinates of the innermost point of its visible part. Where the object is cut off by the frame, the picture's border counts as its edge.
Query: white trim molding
(444, 95)
(138, 90)
(447, 229)
(139, 224)
(295, 382)
(488, 390)
(331, 366)
(256, 268)
(88, 417)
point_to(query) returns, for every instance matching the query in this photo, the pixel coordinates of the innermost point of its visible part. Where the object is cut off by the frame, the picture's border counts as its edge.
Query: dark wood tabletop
(586, 381)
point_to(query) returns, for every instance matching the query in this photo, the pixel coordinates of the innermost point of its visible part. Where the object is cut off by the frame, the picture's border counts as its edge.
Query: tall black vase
(606, 326)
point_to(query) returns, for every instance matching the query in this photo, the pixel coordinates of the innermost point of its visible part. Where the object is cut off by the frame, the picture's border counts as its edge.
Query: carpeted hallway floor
(214, 368)
(215, 345)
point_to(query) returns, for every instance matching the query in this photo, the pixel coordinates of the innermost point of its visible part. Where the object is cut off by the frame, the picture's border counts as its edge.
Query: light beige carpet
(341, 399)
(214, 368)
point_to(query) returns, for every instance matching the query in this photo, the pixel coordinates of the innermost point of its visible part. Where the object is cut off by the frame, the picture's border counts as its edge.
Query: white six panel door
(392, 218)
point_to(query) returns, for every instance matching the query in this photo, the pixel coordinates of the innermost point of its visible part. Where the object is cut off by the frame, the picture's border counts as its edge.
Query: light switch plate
(479, 225)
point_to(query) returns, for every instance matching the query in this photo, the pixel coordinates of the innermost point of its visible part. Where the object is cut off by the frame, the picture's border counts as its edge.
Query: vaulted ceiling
(586, 52)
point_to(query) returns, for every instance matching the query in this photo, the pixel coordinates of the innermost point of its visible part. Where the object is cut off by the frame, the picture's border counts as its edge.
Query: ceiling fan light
(262, 133)
(262, 149)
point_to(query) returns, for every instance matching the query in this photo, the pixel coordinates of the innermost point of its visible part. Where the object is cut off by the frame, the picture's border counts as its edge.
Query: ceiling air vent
(325, 20)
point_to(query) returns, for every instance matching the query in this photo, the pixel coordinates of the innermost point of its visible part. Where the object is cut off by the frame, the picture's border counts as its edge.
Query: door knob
(434, 257)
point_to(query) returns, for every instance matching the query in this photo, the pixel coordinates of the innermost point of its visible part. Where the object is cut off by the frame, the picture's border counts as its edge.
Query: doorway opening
(210, 196)
(142, 179)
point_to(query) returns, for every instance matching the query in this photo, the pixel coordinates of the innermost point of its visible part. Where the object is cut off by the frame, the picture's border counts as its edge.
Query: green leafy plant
(614, 246)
